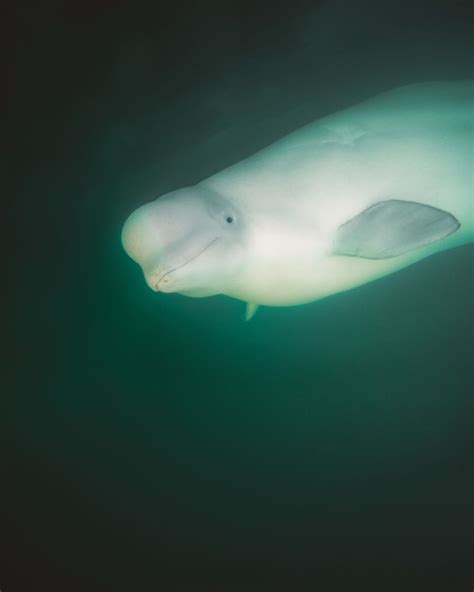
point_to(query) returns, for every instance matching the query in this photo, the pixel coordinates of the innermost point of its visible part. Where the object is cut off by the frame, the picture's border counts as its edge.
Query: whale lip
(166, 273)
(162, 277)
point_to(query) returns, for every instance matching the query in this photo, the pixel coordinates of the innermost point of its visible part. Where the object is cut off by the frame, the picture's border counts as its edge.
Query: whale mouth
(166, 273)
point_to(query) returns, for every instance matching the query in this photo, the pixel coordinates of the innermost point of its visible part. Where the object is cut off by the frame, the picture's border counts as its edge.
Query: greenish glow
(339, 203)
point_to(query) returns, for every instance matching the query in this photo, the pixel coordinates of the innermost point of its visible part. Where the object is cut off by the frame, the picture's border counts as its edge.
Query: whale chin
(164, 288)
(198, 292)
(167, 284)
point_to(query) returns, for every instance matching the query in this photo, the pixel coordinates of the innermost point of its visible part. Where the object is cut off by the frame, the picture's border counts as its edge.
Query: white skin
(263, 230)
(189, 241)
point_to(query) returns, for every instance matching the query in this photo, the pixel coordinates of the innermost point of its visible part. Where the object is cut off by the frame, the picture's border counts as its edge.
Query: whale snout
(163, 284)
(139, 236)
(141, 241)
(158, 279)
(184, 242)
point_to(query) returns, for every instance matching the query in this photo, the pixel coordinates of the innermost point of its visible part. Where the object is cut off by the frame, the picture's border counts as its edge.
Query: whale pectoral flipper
(391, 228)
(250, 310)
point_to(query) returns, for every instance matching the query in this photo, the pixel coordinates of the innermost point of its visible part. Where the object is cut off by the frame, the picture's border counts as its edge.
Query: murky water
(165, 432)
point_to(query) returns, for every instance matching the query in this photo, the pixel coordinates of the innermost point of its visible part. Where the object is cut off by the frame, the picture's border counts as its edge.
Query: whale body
(338, 203)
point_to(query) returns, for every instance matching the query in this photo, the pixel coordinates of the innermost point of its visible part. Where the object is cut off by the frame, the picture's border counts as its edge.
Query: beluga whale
(340, 202)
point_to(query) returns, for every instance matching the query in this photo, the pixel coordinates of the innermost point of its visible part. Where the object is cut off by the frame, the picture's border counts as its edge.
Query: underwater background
(152, 438)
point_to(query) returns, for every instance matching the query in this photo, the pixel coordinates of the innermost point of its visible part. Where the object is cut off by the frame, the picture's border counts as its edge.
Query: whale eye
(229, 219)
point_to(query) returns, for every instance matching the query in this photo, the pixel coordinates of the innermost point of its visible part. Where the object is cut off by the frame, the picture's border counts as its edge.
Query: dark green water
(149, 435)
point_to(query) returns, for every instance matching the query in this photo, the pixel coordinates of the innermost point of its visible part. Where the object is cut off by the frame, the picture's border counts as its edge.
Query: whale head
(189, 241)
